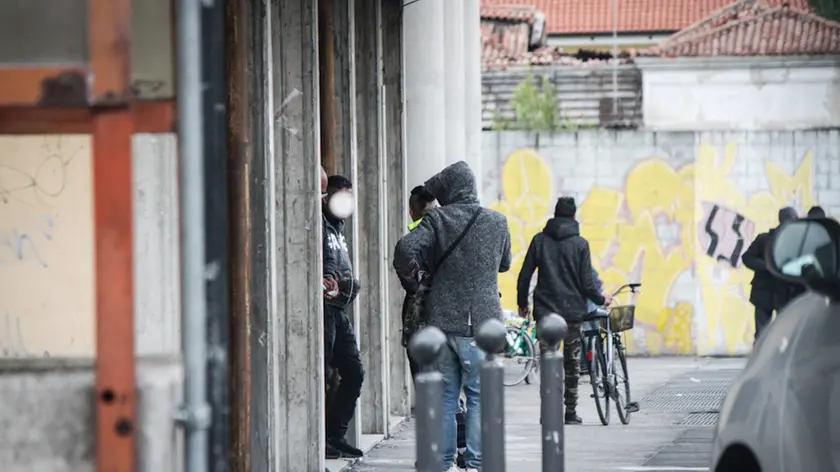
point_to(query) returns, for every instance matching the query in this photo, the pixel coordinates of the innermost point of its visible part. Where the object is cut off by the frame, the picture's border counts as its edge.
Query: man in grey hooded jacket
(464, 289)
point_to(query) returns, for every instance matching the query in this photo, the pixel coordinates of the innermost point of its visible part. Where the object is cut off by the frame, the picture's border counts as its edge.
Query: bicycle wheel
(622, 383)
(598, 379)
(519, 356)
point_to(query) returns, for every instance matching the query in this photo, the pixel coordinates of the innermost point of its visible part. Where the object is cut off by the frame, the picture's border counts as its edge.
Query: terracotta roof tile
(518, 13)
(507, 41)
(595, 16)
(780, 31)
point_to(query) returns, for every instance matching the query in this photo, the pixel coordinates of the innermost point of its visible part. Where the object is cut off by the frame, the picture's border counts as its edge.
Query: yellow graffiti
(528, 194)
(710, 312)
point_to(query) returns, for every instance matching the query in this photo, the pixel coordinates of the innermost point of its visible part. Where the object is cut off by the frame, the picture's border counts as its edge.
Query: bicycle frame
(523, 331)
(614, 337)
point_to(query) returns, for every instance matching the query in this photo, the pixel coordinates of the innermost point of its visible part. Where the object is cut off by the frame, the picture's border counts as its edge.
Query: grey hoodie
(465, 288)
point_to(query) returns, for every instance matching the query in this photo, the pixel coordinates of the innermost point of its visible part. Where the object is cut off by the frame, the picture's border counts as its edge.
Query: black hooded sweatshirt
(564, 280)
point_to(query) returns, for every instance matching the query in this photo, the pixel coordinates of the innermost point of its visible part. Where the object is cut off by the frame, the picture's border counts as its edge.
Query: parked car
(783, 413)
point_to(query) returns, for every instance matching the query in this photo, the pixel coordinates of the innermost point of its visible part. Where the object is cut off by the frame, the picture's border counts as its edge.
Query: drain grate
(682, 403)
(700, 418)
(695, 391)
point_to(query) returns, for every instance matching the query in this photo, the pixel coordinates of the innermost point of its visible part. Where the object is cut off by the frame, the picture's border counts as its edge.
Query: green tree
(534, 106)
(829, 9)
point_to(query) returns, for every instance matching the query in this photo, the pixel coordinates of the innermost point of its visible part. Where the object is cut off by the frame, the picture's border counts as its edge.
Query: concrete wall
(661, 208)
(48, 416)
(741, 93)
(46, 246)
(47, 303)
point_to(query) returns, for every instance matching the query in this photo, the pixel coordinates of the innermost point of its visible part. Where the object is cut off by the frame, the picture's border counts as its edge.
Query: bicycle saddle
(596, 314)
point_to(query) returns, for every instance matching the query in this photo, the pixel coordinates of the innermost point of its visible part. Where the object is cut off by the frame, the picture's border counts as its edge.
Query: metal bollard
(425, 348)
(552, 329)
(490, 337)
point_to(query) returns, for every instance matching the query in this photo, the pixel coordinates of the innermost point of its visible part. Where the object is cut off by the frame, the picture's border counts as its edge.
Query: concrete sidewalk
(677, 395)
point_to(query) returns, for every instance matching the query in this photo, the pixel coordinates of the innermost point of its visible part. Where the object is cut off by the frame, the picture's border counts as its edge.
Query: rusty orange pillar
(326, 77)
(109, 33)
(237, 51)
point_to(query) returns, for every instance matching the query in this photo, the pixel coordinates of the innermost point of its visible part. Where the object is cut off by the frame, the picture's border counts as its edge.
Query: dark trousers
(762, 320)
(412, 366)
(571, 364)
(341, 356)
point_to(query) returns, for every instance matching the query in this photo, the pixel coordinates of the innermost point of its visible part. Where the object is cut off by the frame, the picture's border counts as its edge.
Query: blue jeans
(459, 364)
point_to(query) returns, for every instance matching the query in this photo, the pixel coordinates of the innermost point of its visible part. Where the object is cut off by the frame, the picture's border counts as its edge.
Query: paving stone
(592, 447)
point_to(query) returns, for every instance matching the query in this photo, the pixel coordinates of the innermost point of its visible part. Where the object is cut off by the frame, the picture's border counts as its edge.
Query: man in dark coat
(464, 289)
(419, 202)
(341, 352)
(768, 294)
(816, 212)
(564, 286)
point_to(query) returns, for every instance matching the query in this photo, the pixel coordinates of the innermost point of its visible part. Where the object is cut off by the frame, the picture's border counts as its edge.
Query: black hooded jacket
(768, 292)
(564, 280)
(337, 263)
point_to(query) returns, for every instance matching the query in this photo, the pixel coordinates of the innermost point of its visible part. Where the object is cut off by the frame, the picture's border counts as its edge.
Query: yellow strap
(414, 224)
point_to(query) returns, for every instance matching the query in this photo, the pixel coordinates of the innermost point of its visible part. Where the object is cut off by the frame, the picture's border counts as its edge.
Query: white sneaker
(472, 470)
(454, 468)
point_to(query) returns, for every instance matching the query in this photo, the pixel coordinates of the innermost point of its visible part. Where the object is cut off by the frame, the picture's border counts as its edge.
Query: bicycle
(605, 348)
(521, 347)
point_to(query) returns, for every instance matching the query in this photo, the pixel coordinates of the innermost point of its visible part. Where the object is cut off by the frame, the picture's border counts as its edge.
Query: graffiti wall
(673, 211)
(47, 299)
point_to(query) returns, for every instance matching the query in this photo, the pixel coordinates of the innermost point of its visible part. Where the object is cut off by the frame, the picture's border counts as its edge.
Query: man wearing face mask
(329, 283)
(340, 349)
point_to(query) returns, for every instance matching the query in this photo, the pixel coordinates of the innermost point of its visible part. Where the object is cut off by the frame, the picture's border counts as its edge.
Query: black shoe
(343, 447)
(573, 418)
(460, 461)
(332, 453)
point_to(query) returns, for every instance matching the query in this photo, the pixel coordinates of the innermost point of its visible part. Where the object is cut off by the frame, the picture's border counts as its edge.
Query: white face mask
(342, 204)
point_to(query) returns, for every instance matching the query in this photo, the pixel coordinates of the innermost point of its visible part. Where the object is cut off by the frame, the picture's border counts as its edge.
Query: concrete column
(295, 331)
(345, 85)
(262, 311)
(370, 217)
(425, 117)
(472, 87)
(453, 35)
(157, 299)
(396, 203)
(345, 67)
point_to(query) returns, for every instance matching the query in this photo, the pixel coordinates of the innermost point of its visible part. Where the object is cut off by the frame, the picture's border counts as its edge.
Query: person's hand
(607, 298)
(524, 312)
(413, 273)
(330, 287)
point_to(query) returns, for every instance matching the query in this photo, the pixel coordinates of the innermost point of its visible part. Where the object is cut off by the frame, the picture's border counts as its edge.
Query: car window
(805, 246)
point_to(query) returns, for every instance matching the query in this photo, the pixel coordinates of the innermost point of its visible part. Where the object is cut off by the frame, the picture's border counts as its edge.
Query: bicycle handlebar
(633, 289)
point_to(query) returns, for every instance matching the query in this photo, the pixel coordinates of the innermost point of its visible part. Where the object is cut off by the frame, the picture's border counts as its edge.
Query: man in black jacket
(767, 293)
(564, 286)
(816, 212)
(419, 202)
(341, 352)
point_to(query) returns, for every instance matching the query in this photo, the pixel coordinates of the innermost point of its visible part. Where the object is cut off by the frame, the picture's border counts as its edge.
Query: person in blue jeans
(465, 246)
(590, 325)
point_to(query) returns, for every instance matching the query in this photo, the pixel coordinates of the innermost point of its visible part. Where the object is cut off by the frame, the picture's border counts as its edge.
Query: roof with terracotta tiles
(508, 39)
(634, 16)
(753, 29)
(517, 13)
